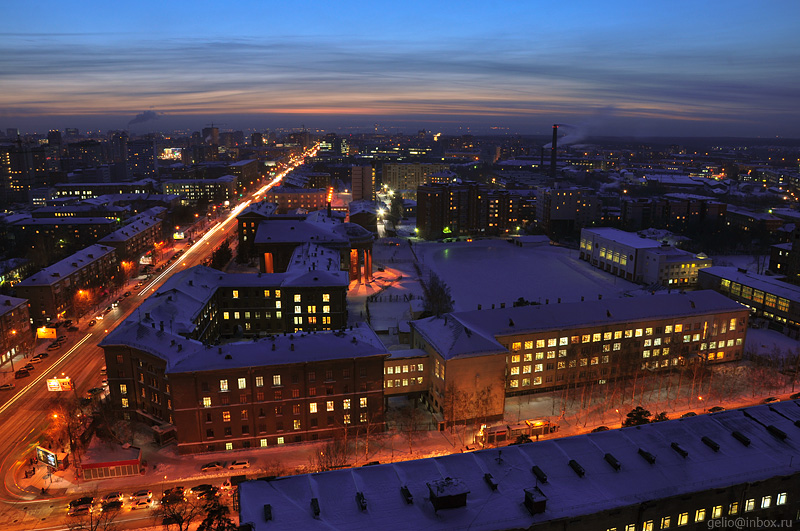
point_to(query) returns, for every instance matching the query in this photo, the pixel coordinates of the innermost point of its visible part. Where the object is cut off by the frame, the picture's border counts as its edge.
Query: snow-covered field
(490, 272)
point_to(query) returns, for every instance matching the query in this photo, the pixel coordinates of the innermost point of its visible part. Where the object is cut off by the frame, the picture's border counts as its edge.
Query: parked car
(600, 428)
(795, 396)
(72, 329)
(199, 490)
(141, 504)
(143, 494)
(215, 465)
(29, 367)
(92, 322)
(36, 359)
(54, 346)
(689, 414)
(209, 494)
(94, 391)
(61, 338)
(771, 399)
(7, 387)
(79, 510)
(81, 502)
(715, 409)
(111, 505)
(113, 496)
(21, 373)
(242, 463)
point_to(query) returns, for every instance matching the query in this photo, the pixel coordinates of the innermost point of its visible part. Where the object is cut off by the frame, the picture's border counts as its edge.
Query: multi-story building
(565, 210)
(56, 291)
(445, 210)
(81, 211)
(750, 221)
(410, 175)
(52, 237)
(16, 336)
(766, 296)
(289, 199)
(141, 160)
(87, 190)
(699, 473)
(481, 356)
(269, 390)
(23, 168)
(363, 179)
(194, 191)
(639, 259)
(247, 175)
(137, 237)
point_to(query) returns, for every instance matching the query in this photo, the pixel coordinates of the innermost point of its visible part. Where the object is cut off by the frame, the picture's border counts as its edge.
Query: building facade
(16, 336)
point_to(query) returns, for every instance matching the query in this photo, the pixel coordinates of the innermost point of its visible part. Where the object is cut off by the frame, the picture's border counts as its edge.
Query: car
(68, 322)
(242, 463)
(143, 494)
(92, 322)
(198, 490)
(226, 485)
(689, 414)
(600, 428)
(98, 317)
(771, 399)
(141, 504)
(127, 294)
(54, 346)
(716, 409)
(103, 370)
(215, 465)
(36, 359)
(795, 396)
(29, 367)
(81, 509)
(174, 491)
(113, 496)
(7, 387)
(209, 494)
(80, 502)
(21, 373)
(94, 391)
(72, 329)
(109, 308)
(61, 339)
(111, 505)
(43, 355)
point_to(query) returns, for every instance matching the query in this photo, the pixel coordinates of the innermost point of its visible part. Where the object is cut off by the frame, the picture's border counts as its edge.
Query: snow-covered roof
(631, 239)
(67, 266)
(474, 333)
(10, 303)
(67, 220)
(752, 214)
(162, 323)
(100, 453)
(761, 282)
(137, 225)
(747, 452)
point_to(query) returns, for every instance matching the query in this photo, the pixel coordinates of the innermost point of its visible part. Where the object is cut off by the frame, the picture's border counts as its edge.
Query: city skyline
(618, 68)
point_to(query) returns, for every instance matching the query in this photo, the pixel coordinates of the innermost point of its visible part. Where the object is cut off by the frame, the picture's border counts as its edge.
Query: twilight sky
(642, 68)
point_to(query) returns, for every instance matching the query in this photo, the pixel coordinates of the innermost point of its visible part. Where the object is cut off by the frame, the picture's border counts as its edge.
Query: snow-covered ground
(488, 272)
(745, 261)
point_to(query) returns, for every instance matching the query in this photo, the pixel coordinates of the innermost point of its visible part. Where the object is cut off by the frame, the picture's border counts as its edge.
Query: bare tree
(217, 518)
(179, 514)
(335, 453)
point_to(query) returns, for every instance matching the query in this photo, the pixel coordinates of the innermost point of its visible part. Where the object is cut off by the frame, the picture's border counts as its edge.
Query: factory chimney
(553, 151)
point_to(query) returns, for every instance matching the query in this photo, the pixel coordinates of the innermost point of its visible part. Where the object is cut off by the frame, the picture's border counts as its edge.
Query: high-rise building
(211, 135)
(141, 158)
(363, 182)
(23, 167)
(257, 140)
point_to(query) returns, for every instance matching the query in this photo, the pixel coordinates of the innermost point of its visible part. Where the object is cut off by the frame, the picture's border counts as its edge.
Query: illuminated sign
(146, 260)
(330, 194)
(446, 230)
(178, 236)
(46, 333)
(59, 384)
(47, 457)
(171, 154)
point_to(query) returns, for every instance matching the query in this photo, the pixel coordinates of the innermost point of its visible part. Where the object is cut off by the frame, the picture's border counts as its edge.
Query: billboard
(45, 332)
(59, 384)
(47, 457)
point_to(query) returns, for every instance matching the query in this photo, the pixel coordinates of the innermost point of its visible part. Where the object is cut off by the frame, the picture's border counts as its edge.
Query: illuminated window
(514, 370)
(346, 418)
(228, 446)
(280, 440)
(206, 401)
(700, 515)
(716, 511)
(683, 518)
(242, 382)
(123, 389)
(259, 381)
(326, 297)
(513, 383)
(666, 522)
(515, 347)
(276, 379)
(263, 443)
(226, 315)
(362, 402)
(226, 416)
(125, 402)
(235, 294)
(766, 502)
(329, 405)
(223, 385)
(515, 358)
(540, 343)
(296, 424)
(749, 505)
(297, 297)
(781, 499)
